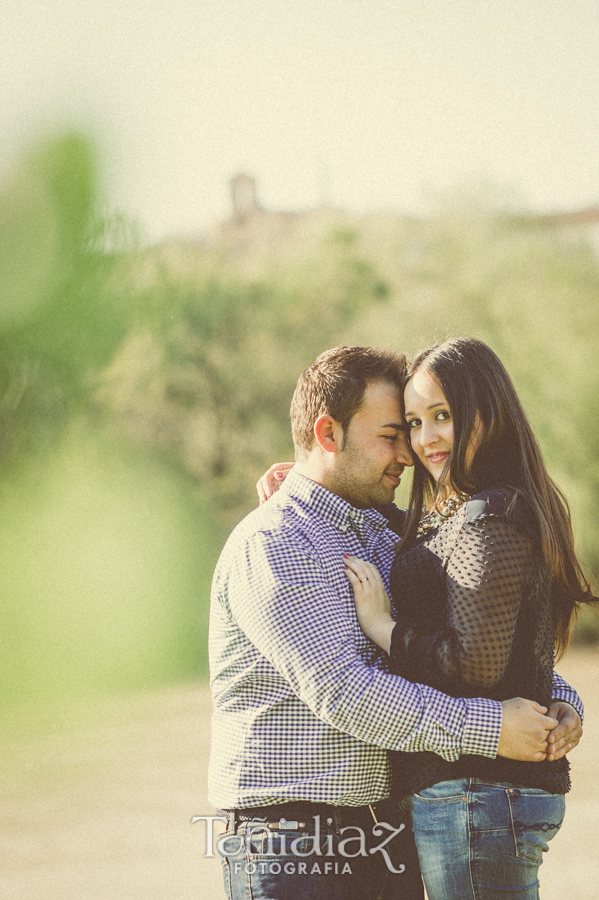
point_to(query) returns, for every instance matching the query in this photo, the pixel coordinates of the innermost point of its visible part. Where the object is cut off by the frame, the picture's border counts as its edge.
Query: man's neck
(314, 470)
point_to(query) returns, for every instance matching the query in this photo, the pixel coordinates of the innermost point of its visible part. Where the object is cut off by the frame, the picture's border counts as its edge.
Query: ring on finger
(364, 579)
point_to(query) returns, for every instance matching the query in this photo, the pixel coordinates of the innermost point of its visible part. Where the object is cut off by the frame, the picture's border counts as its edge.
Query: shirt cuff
(563, 691)
(482, 727)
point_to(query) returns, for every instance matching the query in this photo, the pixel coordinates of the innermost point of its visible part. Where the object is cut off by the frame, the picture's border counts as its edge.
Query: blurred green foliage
(104, 570)
(143, 392)
(105, 557)
(208, 372)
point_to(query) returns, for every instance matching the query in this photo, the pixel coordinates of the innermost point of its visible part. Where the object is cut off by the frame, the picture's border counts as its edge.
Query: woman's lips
(437, 458)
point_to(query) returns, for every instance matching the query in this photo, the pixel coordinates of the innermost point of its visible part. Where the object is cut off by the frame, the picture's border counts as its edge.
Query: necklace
(445, 510)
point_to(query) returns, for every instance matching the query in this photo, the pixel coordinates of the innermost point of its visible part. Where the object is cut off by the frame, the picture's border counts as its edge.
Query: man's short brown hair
(334, 385)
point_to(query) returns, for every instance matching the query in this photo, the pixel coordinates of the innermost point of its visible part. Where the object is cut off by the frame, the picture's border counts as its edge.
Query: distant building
(244, 196)
(575, 223)
(584, 217)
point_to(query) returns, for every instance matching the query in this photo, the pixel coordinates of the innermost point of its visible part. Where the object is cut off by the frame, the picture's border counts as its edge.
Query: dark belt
(300, 813)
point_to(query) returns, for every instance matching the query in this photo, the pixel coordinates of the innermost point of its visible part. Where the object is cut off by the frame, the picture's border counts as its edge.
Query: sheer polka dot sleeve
(487, 577)
(487, 574)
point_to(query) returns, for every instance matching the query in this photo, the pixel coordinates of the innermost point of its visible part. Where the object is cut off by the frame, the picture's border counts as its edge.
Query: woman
(485, 586)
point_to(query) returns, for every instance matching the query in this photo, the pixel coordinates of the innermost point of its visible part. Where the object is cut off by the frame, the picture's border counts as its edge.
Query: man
(305, 710)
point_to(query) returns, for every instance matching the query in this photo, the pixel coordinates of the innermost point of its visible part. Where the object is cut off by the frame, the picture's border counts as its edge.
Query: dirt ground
(96, 801)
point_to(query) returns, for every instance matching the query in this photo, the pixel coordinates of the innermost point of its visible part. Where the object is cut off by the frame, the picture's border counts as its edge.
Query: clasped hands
(529, 731)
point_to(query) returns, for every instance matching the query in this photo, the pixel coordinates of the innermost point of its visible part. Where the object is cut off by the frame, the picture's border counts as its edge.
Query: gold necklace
(446, 509)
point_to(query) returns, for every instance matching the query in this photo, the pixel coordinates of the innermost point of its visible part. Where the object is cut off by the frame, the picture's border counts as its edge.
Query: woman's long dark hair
(475, 382)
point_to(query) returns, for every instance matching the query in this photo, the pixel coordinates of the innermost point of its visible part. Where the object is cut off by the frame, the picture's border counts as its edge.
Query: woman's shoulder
(503, 503)
(490, 502)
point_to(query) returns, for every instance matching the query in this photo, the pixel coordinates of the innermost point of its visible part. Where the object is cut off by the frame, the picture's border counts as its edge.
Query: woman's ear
(328, 434)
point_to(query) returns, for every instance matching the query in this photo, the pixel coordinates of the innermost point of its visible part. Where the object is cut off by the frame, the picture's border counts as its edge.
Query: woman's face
(429, 421)
(430, 424)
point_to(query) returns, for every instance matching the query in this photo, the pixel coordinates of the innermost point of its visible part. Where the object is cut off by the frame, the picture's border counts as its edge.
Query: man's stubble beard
(357, 483)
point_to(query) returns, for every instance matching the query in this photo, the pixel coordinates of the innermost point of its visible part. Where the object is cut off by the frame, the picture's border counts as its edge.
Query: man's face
(375, 450)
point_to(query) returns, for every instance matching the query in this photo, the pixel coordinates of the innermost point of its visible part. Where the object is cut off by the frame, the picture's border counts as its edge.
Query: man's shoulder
(280, 519)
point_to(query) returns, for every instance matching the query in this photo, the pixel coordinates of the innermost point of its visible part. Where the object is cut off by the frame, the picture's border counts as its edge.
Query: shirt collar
(338, 512)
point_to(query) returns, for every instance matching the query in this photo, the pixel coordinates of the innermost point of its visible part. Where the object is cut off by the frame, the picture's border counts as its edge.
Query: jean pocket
(444, 792)
(536, 818)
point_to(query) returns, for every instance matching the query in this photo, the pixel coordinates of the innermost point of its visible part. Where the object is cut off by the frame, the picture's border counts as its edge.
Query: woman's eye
(413, 423)
(443, 415)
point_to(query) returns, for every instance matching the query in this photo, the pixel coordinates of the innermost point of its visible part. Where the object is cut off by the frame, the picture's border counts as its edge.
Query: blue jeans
(480, 841)
(321, 861)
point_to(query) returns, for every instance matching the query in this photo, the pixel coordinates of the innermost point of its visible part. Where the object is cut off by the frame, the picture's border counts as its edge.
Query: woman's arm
(373, 607)
(272, 480)
(487, 576)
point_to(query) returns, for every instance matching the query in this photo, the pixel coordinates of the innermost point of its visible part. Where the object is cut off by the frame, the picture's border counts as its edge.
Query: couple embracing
(385, 703)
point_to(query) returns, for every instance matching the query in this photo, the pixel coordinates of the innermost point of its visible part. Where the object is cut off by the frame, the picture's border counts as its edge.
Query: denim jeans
(321, 861)
(481, 841)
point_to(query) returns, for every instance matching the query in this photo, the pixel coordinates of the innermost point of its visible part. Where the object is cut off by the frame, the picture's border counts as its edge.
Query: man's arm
(304, 626)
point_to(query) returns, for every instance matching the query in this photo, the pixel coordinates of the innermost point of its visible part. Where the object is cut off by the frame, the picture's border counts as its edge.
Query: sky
(363, 104)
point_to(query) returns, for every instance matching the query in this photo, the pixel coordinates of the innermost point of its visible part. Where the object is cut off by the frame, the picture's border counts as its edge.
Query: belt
(300, 813)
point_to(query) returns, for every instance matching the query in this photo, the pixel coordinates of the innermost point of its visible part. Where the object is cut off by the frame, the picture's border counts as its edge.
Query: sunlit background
(362, 104)
(195, 200)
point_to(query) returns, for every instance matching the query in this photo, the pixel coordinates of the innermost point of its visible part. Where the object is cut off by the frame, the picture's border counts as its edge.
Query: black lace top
(474, 618)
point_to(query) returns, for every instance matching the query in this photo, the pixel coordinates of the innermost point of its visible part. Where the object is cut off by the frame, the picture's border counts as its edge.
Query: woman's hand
(272, 480)
(373, 606)
(568, 733)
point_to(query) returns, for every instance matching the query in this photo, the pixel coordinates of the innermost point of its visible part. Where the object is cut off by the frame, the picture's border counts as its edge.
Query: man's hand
(524, 730)
(567, 734)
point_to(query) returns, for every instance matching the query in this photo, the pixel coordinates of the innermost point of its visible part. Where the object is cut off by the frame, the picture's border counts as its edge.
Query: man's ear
(328, 434)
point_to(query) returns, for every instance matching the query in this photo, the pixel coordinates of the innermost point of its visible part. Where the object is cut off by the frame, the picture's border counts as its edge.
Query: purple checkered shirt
(304, 708)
